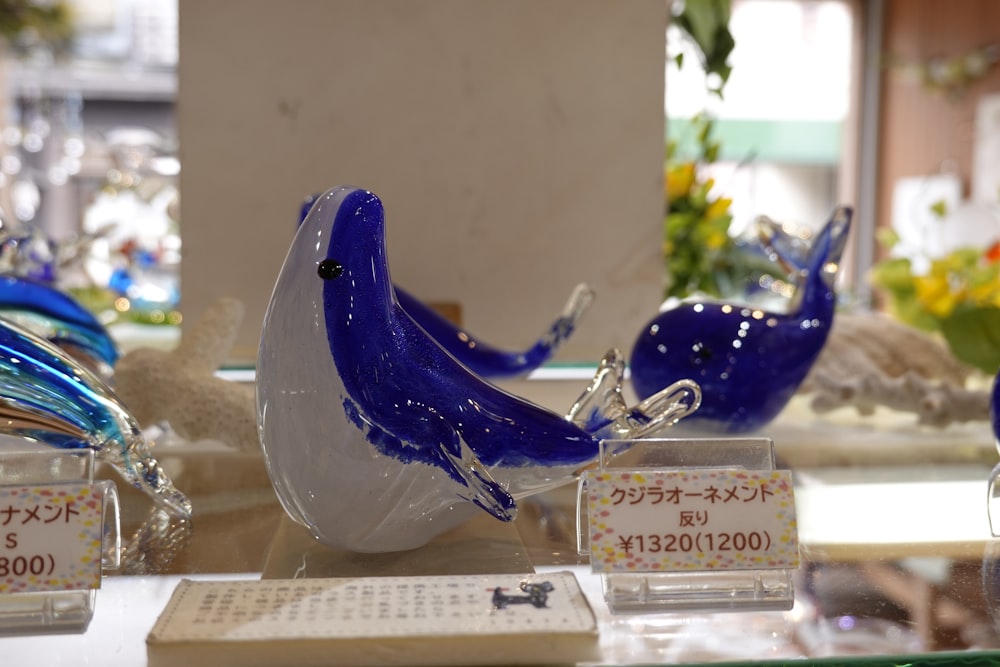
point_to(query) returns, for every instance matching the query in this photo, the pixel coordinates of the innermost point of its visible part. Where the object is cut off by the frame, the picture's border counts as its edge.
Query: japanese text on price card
(50, 537)
(696, 519)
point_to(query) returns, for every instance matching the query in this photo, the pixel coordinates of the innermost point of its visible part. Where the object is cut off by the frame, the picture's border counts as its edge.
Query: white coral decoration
(180, 386)
(871, 360)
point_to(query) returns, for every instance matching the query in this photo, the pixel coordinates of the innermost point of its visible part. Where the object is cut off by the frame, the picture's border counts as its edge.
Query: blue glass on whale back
(480, 356)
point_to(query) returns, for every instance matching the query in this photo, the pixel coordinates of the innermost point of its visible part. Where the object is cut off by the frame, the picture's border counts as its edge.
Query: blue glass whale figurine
(375, 437)
(481, 357)
(747, 361)
(59, 318)
(48, 397)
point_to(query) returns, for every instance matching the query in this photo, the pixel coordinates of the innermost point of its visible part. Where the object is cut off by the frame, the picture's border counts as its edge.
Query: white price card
(692, 519)
(51, 537)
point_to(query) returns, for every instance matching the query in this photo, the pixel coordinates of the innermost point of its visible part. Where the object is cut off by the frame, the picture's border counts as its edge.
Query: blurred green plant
(27, 23)
(706, 22)
(958, 297)
(700, 254)
(112, 308)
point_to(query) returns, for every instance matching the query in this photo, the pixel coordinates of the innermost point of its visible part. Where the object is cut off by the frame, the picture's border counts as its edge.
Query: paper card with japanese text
(50, 537)
(686, 520)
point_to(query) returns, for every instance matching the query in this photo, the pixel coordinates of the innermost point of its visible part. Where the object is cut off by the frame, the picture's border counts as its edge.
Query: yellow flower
(716, 239)
(984, 293)
(678, 180)
(718, 208)
(935, 293)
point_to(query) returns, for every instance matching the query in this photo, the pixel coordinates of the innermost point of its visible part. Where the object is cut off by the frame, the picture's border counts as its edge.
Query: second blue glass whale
(747, 361)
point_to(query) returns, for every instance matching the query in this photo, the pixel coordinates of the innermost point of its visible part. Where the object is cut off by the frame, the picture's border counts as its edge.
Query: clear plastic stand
(709, 583)
(993, 501)
(54, 610)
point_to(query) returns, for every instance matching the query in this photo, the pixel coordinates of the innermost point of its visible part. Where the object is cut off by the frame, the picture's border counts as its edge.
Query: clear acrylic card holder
(993, 500)
(701, 524)
(53, 492)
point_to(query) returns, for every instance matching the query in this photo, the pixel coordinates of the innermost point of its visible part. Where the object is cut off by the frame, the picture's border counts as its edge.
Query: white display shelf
(908, 533)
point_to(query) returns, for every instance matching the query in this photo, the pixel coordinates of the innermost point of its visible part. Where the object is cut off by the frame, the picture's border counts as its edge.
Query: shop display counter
(897, 558)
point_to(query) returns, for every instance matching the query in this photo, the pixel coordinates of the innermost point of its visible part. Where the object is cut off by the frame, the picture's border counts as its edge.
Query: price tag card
(692, 519)
(51, 537)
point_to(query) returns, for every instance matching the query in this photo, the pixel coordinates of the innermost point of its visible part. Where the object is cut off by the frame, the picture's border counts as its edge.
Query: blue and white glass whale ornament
(481, 357)
(48, 397)
(375, 437)
(59, 318)
(747, 361)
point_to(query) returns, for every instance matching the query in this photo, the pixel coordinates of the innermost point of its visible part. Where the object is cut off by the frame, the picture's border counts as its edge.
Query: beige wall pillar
(517, 145)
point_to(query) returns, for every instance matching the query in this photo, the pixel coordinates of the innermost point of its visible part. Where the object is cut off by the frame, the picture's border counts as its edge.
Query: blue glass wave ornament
(747, 361)
(481, 357)
(375, 437)
(48, 397)
(59, 318)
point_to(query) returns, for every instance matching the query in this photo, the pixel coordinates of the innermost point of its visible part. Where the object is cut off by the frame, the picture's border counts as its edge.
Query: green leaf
(973, 335)
(940, 208)
(698, 18)
(894, 274)
(887, 236)
(704, 123)
(707, 23)
(712, 152)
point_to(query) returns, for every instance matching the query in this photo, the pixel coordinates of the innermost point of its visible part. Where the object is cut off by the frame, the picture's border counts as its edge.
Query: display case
(897, 558)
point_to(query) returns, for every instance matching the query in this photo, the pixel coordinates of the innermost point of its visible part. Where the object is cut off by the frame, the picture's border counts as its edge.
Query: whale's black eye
(329, 269)
(701, 353)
